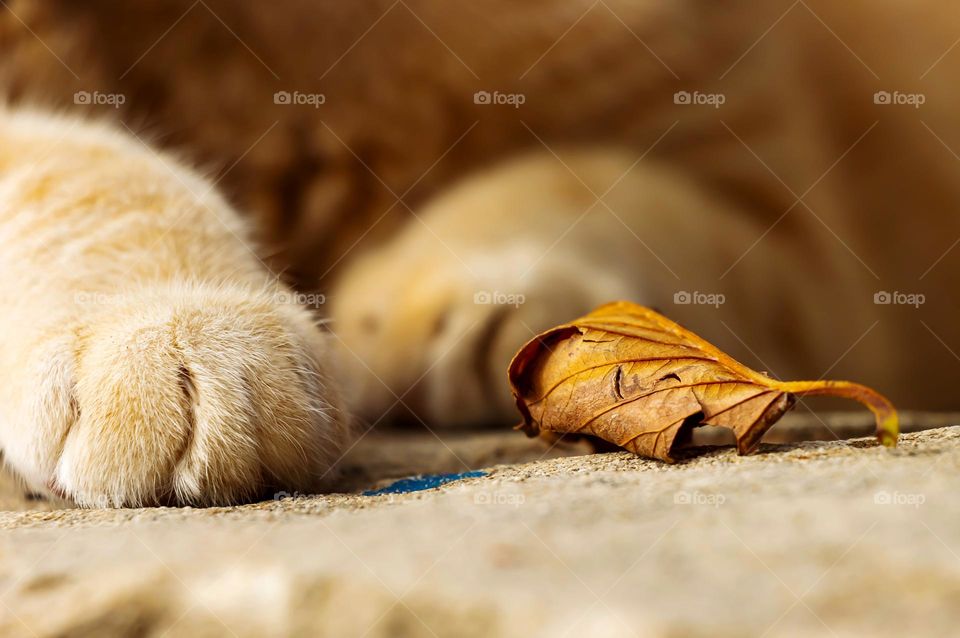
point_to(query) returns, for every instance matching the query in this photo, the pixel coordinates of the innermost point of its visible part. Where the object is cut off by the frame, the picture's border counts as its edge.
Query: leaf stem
(888, 425)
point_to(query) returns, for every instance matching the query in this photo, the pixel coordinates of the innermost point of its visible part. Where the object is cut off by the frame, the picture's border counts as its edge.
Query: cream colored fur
(148, 356)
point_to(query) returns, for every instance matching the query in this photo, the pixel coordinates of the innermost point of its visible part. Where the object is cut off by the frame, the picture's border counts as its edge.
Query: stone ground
(836, 538)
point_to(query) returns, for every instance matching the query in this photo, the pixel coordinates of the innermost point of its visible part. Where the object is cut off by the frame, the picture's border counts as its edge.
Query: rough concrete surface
(836, 538)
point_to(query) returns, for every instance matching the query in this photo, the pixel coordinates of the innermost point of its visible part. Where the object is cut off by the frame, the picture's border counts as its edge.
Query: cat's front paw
(181, 395)
(429, 322)
(428, 334)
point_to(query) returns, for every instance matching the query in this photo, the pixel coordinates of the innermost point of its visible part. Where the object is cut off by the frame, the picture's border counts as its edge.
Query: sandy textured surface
(821, 538)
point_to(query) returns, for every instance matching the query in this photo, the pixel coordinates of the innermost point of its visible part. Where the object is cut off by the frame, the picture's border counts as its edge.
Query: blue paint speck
(423, 482)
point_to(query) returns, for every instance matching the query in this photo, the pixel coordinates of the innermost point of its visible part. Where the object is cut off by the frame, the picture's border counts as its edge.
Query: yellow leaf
(634, 378)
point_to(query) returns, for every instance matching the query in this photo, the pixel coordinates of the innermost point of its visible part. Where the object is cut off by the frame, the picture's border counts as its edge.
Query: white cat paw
(183, 395)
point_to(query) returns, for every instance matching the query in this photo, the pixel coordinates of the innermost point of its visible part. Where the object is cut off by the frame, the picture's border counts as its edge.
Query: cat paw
(426, 326)
(183, 395)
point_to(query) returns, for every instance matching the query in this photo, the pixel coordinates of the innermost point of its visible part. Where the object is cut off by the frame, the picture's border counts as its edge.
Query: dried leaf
(634, 378)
